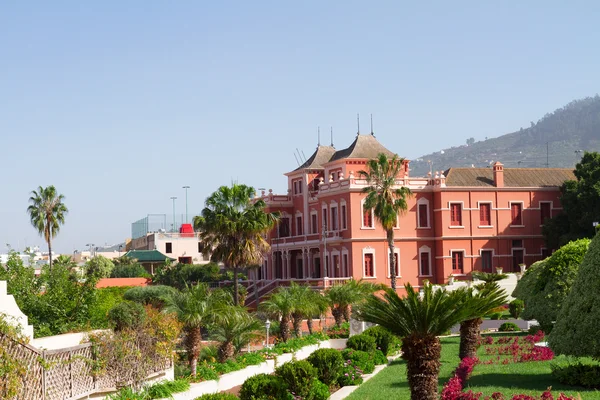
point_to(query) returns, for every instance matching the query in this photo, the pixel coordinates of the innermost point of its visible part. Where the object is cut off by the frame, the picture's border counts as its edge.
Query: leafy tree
(576, 329)
(99, 266)
(232, 228)
(196, 307)
(386, 199)
(281, 304)
(154, 295)
(234, 328)
(341, 298)
(418, 321)
(127, 267)
(47, 213)
(21, 283)
(580, 204)
(543, 300)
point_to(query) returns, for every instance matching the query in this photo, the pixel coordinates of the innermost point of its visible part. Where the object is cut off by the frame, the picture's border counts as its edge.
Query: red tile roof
(513, 177)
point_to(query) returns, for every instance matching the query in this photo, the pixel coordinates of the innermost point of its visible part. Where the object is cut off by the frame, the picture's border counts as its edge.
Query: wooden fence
(64, 374)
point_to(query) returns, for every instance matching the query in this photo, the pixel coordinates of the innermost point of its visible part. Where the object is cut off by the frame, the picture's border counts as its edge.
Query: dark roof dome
(364, 146)
(321, 156)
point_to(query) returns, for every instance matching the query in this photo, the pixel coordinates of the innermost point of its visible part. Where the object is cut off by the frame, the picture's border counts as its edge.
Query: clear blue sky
(120, 103)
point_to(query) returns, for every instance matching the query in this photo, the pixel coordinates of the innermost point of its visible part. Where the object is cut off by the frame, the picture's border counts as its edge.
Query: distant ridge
(567, 130)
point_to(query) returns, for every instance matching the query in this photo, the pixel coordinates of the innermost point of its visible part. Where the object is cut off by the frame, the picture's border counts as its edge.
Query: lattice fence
(63, 374)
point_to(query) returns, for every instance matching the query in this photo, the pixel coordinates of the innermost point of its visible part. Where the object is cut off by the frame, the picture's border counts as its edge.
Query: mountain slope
(556, 139)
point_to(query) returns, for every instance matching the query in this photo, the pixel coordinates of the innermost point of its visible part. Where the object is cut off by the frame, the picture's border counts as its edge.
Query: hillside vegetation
(567, 130)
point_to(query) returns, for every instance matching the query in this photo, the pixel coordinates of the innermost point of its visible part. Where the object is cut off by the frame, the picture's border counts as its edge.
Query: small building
(149, 259)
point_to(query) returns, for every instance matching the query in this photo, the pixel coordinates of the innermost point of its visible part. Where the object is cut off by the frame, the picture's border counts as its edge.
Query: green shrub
(576, 329)
(165, 389)
(379, 358)
(534, 329)
(127, 393)
(509, 327)
(584, 374)
(264, 387)
(298, 376)
(319, 391)
(106, 298)
(515, 308)
(127, 315)
(218, 396)
(149, 295)
(205, 373)
(351, 374)
(496, 316)
(385, 341)
(252, 358)
(129, 271)
(363, 360)
(329, 363)
(362, 342)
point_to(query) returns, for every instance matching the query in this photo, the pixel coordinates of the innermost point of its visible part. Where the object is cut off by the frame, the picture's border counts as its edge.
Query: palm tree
(305, 306)
(47, 213)
(234, 328)
(489, 296)
(196, 307)
(280, 305)
(232, 227)
(342, 297)
(385, 198)
(418, 321)
(317, 305)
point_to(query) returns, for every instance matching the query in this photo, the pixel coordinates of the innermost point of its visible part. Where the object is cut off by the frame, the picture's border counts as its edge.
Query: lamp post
(173, 198)
(186, 204)
(268, 326)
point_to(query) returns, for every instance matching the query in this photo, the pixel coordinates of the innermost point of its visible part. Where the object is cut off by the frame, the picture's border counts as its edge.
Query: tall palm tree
(280, 305)
(418, 321)
(234, 328)
(47, 213)
(196, 307)
(305, 307)
(232, 228)
(342, 297)
(385, 198)
(488, 297)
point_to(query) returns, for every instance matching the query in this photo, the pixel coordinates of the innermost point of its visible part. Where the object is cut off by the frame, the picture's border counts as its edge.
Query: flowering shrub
(453, 388)
(351, 374)
(521, 349)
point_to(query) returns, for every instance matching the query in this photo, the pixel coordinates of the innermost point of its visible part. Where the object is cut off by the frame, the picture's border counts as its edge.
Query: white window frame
(299, 214)
(344, 217)
(420, 202)
(479, 203)
(462, 219)
(368, 250)
(316, 230)
(333, 205)
(347, 266)
(425, 249)
(493, 255)
(540, 208)
(522, 203)
(389, 266)
(464, 259)
(362, 217)
(324, 216)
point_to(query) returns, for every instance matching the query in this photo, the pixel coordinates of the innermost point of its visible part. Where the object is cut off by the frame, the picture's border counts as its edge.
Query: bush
(205, 373)
(127, 393)
(577, 374)
(515, 308)
(385, 341)
(298, 376)
(149, 295)
(127, 315)
(129, 271)
(576, 329)
(509, 327)
(264, 387)
(379, 358)
(218, 396)
(362, 342)
(329, 363)
(363, 360)
(319, 391)
(496, 316)
(534, 329)
(165, 389)
(351, 374)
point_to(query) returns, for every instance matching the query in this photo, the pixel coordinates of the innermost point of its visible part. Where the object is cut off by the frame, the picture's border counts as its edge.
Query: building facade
(458, 221)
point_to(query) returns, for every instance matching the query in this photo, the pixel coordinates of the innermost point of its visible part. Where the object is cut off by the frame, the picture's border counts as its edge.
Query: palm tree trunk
(236, 288)
(347, 312)
(226, 351)
(50, 252)
(469, 337)
(422, 355)
(337, 315)
(284, 327)
(390, 240)
(192, 343)
(309, 325)
(297, 324)
(256, 288)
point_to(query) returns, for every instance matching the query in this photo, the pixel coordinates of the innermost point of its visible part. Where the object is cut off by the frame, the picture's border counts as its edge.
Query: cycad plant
(234, 328)
(342, 297)
(280, 305)
(304, 308)
(488, 297)
(418, 321)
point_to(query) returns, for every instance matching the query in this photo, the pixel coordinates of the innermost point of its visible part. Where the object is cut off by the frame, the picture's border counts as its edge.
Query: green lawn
(515, 378)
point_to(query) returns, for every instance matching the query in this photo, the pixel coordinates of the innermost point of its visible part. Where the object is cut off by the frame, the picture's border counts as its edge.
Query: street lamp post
(268, 326)
(173, 198)
(186, 204)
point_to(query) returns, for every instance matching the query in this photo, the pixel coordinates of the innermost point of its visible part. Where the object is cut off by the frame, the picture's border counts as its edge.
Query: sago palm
(196, 307)
(280, 305)
(234, 328)
(232, 228)
(488, 297)
(342, 297)
(308, 303)
(47, 213)
(386, 198)
(418, 321)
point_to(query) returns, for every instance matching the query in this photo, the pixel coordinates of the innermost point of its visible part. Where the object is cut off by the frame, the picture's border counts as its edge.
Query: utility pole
(186, 204)
(173, 198)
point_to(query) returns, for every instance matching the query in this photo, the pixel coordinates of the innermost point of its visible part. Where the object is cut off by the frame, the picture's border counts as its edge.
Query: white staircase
(10, 309)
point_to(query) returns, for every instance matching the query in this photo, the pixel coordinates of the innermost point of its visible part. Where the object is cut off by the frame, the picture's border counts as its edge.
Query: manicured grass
(530, 378)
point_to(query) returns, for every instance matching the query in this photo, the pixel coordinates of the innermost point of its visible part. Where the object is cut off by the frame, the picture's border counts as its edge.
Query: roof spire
(332, 137)
(358, 124)
(318, 136)
(372, 134)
